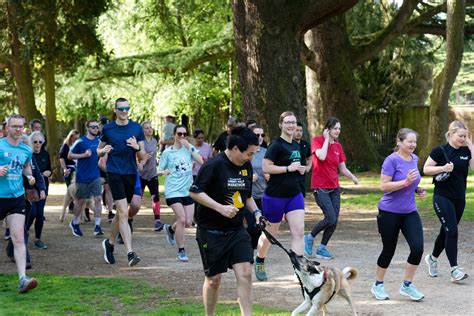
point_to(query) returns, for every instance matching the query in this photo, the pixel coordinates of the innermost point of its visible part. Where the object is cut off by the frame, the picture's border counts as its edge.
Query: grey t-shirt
(149, 169)
(259, 186)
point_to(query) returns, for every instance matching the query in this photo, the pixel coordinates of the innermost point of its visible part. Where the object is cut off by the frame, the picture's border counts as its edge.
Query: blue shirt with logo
(87, 168)
(15, 157)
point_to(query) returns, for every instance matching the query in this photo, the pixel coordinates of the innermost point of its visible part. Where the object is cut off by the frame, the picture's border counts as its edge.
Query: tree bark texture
(20, 62)
(338, 90)
(443, 83)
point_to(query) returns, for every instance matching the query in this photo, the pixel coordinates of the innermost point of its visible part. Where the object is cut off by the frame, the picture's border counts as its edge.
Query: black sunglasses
(123, 109)
(94, 126)
(263, 135)
(38, 142)
(181, 134)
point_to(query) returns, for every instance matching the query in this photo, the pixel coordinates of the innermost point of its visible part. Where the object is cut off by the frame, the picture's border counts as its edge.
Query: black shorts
(185, 200)
(221, 250)
(152, 185)
(9, 206)
(121, 185)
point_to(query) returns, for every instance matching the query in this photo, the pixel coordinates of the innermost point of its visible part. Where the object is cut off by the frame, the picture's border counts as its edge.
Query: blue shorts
(275, 207)
(137, 190)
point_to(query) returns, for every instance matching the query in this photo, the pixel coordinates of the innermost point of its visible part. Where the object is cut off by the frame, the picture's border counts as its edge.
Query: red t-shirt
(325, 172)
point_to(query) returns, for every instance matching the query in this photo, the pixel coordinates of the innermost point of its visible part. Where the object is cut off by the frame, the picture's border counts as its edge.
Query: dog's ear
(295, 260)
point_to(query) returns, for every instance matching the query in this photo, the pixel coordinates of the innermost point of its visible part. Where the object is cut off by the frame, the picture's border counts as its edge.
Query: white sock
(97, 221)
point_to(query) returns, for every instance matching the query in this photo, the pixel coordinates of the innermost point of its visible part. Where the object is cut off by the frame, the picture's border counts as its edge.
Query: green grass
(60, 295)
(371, 198)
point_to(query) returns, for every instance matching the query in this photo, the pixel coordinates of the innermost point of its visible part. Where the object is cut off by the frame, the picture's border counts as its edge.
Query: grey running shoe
(158, 226)
(323, 253)
(169, 235)
(108, 251)
(40, 245)
(260, 273)
(458, 275)
(379, 292)
(411, 292)
(182, 256)
(432, 266)
(133, 259)
(26, 284)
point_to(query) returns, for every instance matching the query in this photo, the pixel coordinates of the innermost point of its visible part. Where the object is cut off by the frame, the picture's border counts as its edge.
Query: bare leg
(380, 273)
(296, 222)
(210, 293)
(97, 207)
(243, 276)
(122, 214)
(410, 270)
(263, 243)
(180, 224)
(16, 222)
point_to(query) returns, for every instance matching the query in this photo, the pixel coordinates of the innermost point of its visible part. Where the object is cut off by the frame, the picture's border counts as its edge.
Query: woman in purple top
(397, 212)
(205, 150)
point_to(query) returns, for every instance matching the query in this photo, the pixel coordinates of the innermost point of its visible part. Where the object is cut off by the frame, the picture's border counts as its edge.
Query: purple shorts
(275, 207)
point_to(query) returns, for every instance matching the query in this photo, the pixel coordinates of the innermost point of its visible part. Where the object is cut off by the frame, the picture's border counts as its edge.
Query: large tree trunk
(338, 91)
(443, 83)
(20, 63)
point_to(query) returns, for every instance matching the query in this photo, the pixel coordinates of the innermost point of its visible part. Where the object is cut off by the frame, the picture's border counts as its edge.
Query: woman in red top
(328, 160)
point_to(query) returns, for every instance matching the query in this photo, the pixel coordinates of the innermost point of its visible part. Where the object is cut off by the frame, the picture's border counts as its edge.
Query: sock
(75, 220)
(97, 222)
(22, 277)
(377, 282)
(181, 249)
(171, 230)
(406, 283)
(157, 220)
(321, 247)
(432, 259)
(259, 260)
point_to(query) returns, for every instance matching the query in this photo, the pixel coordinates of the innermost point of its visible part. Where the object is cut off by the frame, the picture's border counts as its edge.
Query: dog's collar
(316, 290)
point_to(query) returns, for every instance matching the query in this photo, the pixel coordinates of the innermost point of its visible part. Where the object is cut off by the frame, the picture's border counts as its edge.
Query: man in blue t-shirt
(15, 161)
(122, 141)
(88, 181)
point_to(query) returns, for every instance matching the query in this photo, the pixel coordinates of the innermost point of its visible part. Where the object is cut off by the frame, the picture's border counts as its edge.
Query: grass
(60, 295)
(371, 182)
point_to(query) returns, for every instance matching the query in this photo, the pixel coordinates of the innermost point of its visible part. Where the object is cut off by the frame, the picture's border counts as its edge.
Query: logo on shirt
(244, 173)
(7, 154)
(463, 157)
(295, 155)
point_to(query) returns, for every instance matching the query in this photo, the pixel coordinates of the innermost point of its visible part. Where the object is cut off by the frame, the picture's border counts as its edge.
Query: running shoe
(98, 231)
(323, 253)
(308, 245)
(411, 292)
(158, 226)
(169, 235)
(76, 230)
(182, 256)
(110, 217)
(432, 266)
(133, 259)
(7, 234)
(458, 275)
(260, 273)
(379, 292)
(26, 284)
(40, 245)
(108, 251)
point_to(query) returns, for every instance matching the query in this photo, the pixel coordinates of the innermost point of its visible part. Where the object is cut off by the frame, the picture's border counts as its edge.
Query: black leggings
(390, 224)
(449, 212)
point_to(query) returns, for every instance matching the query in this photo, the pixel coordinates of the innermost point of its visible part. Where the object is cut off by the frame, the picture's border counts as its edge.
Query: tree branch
(439, 29)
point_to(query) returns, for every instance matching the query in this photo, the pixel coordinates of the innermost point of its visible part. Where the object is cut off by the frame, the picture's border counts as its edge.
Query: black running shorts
(121, 185)
(220, 250)
(9, 206)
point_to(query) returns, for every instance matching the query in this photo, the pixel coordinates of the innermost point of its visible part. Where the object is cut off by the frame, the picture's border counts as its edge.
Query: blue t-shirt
(15, 157)
(180, 163)
(87, 168)
(122, 158)
(400, 201)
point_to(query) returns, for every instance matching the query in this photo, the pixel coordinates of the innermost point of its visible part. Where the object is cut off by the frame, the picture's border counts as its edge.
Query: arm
(47, 172)
(309, 164)
(103, 149)
(141, 154)
(470, 146)
(269, 167)
(73, 156)
(323, 151)
(205, 200)
(430, 168)
(343, 170)
(28, 173)
(387, 185)
(252, 206)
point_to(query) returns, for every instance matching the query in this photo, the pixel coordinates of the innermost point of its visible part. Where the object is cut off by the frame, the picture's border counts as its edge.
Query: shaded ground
(355, 243)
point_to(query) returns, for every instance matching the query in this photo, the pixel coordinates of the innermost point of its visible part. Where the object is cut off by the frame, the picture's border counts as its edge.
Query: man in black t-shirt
(220, 143)
(305, 149)
(223, 188)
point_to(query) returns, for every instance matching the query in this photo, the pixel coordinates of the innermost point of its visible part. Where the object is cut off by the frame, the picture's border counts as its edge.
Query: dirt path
(355, 243)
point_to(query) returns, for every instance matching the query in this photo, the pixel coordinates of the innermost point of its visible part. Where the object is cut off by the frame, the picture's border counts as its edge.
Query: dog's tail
(350, 273)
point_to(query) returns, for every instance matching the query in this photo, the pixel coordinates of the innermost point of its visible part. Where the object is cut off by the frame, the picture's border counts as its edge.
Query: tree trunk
(442, 84)
(269, 67)
(20, 63)
(338, 90)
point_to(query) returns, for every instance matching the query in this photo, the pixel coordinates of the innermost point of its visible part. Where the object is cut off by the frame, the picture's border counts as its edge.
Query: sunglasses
(123, 109)
(181, 134)
(38, 142)
(258, 135)
(94, 126)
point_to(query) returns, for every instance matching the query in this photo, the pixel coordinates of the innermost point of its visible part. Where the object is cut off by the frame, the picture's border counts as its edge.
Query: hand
(132, 142)
(140, 166)
(87, 153)
(184, 142)
(229, 211)
(421, 192)
(66, 172)
(266, 176)
(165, 172)
(412, 175)
(355, 180)
(46, 173)
(254, 177)
(42, 195)
(31, 180)
(3, 170)
(469, 142)
(449, 167)
(107, 149)
(326, 134)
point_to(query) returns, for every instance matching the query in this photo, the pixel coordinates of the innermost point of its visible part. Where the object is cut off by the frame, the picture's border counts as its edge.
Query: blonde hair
(453, 128)
(402, 135)
(73, 132)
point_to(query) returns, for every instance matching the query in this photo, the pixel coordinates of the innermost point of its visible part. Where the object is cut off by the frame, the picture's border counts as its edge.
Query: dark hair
(34, 121)
(255, 126)
(250, 122)
(120, 100)
(103, 120)
(242, 137)
(178, 126)
(402, 135)
(90, 121)
(331, 122)
(14, 116)
(197, 131)
(299, 124)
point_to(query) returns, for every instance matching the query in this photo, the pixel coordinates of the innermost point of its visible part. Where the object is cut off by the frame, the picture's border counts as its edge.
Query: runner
(122, 140)
(15, 161)
(223, 188)
(305, 150)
